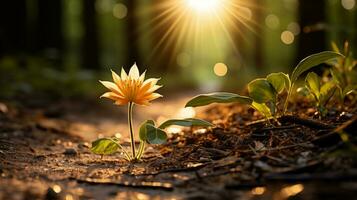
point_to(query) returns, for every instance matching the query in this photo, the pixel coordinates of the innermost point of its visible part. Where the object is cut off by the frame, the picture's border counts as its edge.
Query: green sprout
(321, 92)
(344, 72)
(265, 93)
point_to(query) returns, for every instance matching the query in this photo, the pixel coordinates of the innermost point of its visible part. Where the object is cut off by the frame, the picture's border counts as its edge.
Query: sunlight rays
(197, 24)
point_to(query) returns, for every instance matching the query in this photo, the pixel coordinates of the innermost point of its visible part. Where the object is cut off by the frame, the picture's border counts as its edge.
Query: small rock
(70, 152)
(83, 145)
(52, 195)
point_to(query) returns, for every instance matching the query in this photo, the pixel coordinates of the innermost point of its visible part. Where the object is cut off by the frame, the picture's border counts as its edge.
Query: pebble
(52, 195)
(70, 152)
(83, 145)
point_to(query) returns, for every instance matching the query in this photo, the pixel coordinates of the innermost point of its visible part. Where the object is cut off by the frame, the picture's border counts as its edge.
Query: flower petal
(123, 74)
(134, 72)
(152, 81)
(142, 77)
(154, 88)
(116, 77)
(153, 96)
(110, 85)
(111, 95)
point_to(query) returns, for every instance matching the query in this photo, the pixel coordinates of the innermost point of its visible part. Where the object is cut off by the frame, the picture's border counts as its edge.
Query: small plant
(321, 92)
(344, 72)
(264, 93)
(130, 89)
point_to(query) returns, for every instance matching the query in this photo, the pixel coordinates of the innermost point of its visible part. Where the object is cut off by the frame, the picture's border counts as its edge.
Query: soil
(44, 154)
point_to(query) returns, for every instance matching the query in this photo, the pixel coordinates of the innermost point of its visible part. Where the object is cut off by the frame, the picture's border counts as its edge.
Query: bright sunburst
(201, 25)
(202, 6)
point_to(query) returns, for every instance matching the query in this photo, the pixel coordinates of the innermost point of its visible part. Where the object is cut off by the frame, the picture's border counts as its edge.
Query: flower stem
(130, 122)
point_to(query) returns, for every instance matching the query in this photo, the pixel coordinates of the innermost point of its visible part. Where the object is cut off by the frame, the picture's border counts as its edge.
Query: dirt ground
(44, 154)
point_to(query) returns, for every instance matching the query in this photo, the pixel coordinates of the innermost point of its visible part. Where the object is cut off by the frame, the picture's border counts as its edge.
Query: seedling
(130, 89)
(264, 93)
(321, 92)
(344, 72)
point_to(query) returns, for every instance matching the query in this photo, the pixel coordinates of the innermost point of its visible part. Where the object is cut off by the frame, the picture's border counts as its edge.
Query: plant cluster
(266, 95)
(270, 96)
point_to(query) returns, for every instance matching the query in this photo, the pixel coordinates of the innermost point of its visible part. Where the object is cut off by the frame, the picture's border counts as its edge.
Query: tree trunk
(258, 16)
(48, 32)
(12, 27)
(132, 36)
(90, 42)
(312, 19)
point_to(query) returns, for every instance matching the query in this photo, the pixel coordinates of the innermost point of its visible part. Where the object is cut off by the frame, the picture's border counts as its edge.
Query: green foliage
(343, 72)
(148, 133)
(261, 91)
(313, 84)
(104, 146)
(262, 108)
(322, 93)
(155, 135)
(188, 122)
(265, 92)
(279, 81)
(312, 61)
(218, 97)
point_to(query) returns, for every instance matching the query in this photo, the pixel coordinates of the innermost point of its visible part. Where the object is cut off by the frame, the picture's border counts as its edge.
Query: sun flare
(204, 6)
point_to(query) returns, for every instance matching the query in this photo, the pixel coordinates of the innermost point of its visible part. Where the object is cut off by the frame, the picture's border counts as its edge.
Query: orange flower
(131, 87)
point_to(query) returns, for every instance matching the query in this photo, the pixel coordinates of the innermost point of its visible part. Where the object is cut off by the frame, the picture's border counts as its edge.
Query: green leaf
(336, 76)
(155, 135)
(348, 90)
(143, 129)
(279, 81)
(313, 84)
(335, 47)
(261, 91)
(104, 146)
(262, 108)
(217, 97)
(327, 90)
(185, 122)
(312, 61)
(303, 91)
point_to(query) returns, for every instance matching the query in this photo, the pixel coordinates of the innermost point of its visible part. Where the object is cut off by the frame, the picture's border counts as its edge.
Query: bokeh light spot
(57, 188)
(348, 4)
(220, 69)
(291, 190)
(287, 37)
(187, 112)
(294, 28)
(272, 21)
(258, 190)
(120, 11)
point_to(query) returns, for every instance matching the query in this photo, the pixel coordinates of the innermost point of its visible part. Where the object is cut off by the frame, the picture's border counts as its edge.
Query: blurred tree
(312, 20)
(258, 36)
(90, 41)
(12, 27)
(132, 36)
(48, 31)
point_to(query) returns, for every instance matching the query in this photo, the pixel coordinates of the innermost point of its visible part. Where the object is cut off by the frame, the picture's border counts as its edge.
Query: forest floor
(44, 154)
